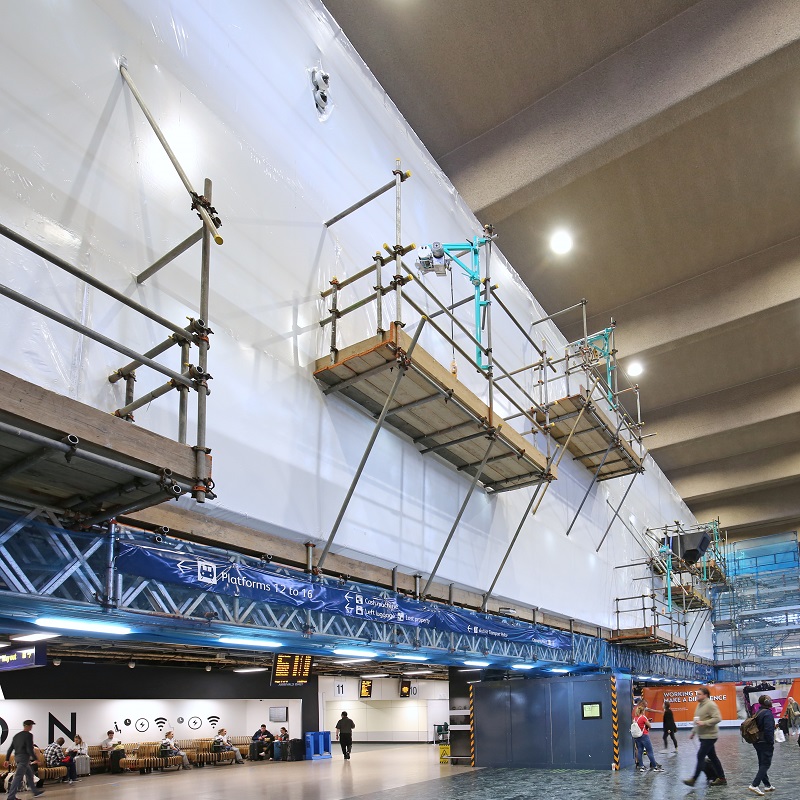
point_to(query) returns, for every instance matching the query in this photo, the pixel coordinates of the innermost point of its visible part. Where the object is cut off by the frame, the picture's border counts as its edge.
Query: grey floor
(412, 772)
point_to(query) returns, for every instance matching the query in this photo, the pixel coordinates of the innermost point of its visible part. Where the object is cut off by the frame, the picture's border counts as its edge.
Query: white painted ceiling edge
(83, 175)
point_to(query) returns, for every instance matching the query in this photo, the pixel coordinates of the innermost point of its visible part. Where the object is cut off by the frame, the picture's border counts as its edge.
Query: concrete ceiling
(665, 134)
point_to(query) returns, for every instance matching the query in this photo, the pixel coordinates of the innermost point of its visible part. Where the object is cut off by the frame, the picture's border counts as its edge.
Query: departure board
(291, 670)
(365, 689)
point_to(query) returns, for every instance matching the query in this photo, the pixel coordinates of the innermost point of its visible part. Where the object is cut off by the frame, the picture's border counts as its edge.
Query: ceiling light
(56, 662)
(469, 670)
(83, 625)
(476, 663)
(420, 672)
(250, 642)
(35, 637)
(523, 666)
(208, 667)
(377, 675)
(353, 661)
(131, 664)
(635, 369)
(403, 657)
(251, 669)
(559, 669)
(561, 242)
(354, 651)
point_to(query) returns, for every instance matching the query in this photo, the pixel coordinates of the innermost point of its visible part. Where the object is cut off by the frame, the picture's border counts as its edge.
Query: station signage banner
(683, 700)
(239, 580)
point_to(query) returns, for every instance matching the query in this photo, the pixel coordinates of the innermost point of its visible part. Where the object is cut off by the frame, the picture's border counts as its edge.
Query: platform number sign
(339, 690)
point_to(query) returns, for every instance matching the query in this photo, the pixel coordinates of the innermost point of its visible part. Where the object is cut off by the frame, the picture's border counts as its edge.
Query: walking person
(765, 746)
(23, 750)
(706, 727)
(344, 733)
(669, 727)
(643, 743)
(793, 715)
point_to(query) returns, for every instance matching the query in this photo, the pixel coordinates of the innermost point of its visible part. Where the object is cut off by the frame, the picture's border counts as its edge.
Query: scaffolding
(73, 463)
(757, 614)
(405, 388)
(685, 565)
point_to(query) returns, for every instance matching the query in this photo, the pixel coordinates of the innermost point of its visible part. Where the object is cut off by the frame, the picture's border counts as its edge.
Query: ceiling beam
(711, 53)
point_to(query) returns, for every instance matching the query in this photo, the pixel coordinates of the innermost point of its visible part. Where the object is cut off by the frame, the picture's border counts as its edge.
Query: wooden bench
(43, 771)
(148, 757)
(206, 754)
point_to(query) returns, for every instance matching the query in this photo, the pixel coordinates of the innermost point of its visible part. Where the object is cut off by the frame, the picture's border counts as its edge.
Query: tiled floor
(412, 772)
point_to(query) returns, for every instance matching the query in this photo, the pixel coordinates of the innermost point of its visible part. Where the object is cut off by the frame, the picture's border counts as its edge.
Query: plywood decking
(57, 481)
(649, 638)
(595, 430)
(432, 408)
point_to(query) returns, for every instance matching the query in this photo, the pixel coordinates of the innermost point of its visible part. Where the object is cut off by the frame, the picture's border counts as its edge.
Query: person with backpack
(765, 745)
(706, 727)
(643, 743)
(670, 727)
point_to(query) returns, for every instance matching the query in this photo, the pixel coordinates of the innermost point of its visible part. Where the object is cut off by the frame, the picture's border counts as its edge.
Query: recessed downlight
(561, 241)
(635, 369)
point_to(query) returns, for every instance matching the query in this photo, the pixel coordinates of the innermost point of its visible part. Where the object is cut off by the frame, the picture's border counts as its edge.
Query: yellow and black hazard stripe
(471, 728)
(615, 722)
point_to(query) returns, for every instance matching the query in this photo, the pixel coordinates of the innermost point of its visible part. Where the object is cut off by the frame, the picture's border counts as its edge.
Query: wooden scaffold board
(432, 408)
(649, 638)
(595, 430)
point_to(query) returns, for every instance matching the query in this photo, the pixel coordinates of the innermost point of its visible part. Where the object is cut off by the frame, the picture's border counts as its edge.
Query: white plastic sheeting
(82, 174)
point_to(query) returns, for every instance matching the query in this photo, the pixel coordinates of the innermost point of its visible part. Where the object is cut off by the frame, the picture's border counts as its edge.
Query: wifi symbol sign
(213, 720)
(161, 722)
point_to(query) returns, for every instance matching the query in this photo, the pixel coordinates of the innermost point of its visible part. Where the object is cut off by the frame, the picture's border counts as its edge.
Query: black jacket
(766, 724)
(669, 721)
(22, 746)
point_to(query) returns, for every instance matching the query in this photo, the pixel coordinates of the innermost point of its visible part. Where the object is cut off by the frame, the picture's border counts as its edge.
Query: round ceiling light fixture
(635, 369)
(561, 241)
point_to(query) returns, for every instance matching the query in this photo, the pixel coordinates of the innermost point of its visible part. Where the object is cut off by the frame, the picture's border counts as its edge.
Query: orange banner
(683, 701)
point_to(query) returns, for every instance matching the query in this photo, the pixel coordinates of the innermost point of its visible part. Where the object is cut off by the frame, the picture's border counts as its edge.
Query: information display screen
(291, 670)
(365, 688)
(23, 657)
(591, 710)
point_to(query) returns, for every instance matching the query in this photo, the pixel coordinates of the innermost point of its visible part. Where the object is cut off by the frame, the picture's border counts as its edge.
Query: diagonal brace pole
(376, 430)
(616, 513)
(475, 478)
(560, 452)
(594, 479)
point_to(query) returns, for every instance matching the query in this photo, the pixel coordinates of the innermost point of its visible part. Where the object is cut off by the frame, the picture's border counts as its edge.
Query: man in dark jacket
(765, 746)
(22, 748)
(344, 730)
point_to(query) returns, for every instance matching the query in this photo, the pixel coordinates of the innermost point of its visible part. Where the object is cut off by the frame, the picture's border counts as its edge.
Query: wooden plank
(91, 426)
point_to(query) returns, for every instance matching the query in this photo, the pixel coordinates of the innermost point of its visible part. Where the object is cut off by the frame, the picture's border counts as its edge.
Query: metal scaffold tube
(376, 430)
(91, 280)
(475, 478)
(98, 337)
(197, 204)
(201, 450)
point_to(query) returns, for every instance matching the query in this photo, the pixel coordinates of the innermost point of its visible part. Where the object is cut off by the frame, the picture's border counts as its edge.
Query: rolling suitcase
(82, 764)
(297, 750)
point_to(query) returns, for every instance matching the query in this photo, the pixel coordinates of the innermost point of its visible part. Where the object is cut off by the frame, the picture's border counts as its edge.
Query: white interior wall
(82, 174)
(385, 717)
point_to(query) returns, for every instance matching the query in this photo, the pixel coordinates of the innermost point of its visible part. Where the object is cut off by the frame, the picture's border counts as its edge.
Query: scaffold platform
(81, 463)
(594, 432)
(689, 598)
(431, 407)
(649, 638)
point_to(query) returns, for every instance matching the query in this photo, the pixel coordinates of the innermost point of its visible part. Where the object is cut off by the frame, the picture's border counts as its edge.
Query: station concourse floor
(413, 772)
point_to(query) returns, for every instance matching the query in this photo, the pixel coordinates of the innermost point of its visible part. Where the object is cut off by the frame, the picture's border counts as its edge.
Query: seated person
(107, 745)
(222, 742)
(283, 736)
(261, 745)
(169, 748)
(54, 756)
